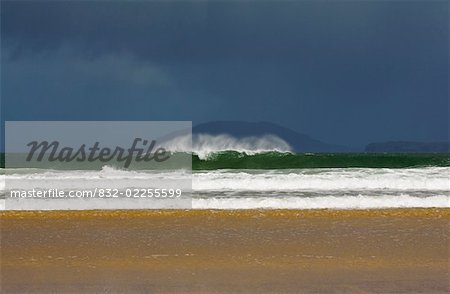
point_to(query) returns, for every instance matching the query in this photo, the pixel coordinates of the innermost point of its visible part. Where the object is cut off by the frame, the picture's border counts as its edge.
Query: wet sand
(354, 251)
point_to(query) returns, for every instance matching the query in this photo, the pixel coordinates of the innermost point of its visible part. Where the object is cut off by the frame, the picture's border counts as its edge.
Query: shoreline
(329, 212)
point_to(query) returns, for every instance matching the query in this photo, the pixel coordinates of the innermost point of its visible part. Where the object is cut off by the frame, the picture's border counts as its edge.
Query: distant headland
(304, 143)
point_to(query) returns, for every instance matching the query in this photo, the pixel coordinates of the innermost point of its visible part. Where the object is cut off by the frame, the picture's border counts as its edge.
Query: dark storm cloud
(202, 30)
(154, 29)
(348, 72)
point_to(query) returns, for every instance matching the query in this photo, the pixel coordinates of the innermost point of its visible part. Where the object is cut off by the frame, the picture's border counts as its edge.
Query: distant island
(300, 142)
(408, 147)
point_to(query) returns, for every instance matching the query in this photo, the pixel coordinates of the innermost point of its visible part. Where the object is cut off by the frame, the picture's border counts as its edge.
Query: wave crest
(204, 145)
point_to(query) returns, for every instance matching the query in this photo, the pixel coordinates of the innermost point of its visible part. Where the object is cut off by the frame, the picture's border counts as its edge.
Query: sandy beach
(204, 251)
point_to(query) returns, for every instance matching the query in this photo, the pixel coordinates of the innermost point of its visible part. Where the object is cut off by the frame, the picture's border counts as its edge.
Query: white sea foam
(2, 182)
(204, 145)
(242, 189)
(331, 202)
(425, 179)
(322, 202)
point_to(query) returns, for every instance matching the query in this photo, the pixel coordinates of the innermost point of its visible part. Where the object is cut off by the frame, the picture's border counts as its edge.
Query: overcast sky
(344, 72)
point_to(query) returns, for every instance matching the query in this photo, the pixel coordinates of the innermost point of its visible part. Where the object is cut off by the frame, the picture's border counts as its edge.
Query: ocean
(265, 180)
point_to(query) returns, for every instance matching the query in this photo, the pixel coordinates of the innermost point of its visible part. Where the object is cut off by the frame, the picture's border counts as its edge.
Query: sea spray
(204, 145)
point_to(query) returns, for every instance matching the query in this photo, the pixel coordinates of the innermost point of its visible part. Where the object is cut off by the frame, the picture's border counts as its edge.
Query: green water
(275, 160)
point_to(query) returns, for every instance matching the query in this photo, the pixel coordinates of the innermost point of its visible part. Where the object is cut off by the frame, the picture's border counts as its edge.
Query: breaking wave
(270, 152)
(339, 188)
(204, 145)
(323, 202)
